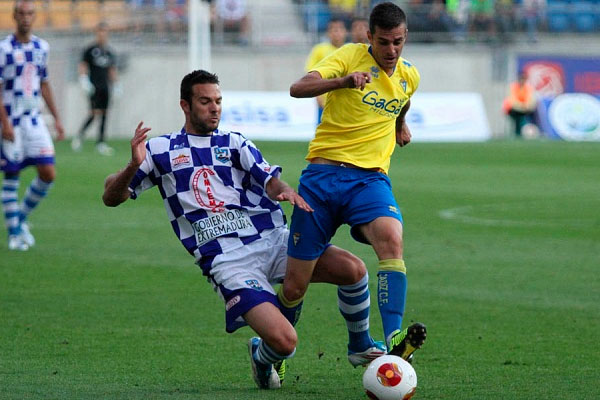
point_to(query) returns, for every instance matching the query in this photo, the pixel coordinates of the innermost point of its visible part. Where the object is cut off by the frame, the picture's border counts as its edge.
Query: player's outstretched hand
(358, 80)
(294, 198)
(138, 144)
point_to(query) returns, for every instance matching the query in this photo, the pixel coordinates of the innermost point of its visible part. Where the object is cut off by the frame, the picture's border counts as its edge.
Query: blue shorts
(338, 195)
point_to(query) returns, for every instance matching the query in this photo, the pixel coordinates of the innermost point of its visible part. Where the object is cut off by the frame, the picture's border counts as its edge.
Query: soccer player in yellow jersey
(336, 32)
(368, 94)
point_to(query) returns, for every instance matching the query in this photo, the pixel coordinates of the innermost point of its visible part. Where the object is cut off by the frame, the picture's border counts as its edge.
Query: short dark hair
(194, 78)
(386, 16)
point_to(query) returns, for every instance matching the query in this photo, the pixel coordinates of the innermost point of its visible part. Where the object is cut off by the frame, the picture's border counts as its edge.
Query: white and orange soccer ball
(390, 378)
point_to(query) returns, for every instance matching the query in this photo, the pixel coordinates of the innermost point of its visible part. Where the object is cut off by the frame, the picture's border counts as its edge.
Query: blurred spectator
(346, 10)
(336, 33)
(520, 104)
(482, 17)
(176, 15)
(358, 30)
(532, 14)
(505, 17)
(429, 17)
(232, 16)
(148, 15)
(458, 10)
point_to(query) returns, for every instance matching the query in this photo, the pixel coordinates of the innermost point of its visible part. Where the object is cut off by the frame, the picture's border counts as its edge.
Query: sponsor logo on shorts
(232, 302)
(296, 238)
(47, 151)
(393, 209)
(253, 283)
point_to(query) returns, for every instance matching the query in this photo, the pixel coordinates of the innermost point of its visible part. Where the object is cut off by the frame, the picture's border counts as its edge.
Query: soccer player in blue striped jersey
(25, 138)
(368, 91)
(222, 199)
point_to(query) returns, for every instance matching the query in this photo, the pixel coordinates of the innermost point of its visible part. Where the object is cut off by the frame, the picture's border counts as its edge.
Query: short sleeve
(145, 177)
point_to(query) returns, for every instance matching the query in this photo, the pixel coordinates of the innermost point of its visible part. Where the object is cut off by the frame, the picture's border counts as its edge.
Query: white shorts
(32, 146)
(244, 277)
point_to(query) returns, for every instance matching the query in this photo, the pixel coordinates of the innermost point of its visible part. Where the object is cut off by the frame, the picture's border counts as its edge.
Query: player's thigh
(385, 235)
(372, 200)
(339, 267)
(310, 232)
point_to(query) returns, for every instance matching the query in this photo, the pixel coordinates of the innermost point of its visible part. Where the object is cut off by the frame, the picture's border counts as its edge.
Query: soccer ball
(530, 131)
(390, 378)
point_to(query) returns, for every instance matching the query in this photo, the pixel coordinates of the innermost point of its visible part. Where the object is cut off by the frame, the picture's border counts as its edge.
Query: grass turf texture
(502, 244)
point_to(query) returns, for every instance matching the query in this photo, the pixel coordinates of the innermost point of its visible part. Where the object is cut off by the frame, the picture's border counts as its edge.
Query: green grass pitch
(502, 245)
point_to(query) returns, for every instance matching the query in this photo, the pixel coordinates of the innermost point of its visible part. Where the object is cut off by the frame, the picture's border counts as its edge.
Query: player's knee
(284, 342)
(356, 269)
(48, 175)
(293, 290)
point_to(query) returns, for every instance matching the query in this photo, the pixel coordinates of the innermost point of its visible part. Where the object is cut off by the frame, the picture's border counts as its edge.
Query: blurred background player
(336, 33)
(97, 75)
(358, 30)
(368, 94)
(521, 103)
(236, 231)
(25, 138)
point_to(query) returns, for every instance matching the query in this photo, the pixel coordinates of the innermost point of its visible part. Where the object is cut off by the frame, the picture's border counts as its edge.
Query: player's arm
(116, 186)
(281, 191)
(7, 129)
(49, 99)
(312, 84)
(403, 135)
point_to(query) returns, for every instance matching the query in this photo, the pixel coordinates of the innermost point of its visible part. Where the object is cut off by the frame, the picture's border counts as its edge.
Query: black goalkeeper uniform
(99, 61)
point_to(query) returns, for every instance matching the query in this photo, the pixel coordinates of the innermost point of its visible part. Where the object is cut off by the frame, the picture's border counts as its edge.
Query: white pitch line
(461, 214)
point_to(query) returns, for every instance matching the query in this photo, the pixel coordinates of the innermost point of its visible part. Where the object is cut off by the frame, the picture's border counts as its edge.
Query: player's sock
(391, 294)
(85, 125)
(36, 191)
(290, 309)
(266, 355)
(354, 303)
(101, 131)
(10, 203)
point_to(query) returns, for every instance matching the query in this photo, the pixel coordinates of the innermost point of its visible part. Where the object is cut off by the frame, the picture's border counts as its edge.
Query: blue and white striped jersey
(213, 189)
(23, 67)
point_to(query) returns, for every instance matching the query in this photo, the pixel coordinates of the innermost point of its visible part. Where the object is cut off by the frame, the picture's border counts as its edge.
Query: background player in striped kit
(222, 197)
(25, 138)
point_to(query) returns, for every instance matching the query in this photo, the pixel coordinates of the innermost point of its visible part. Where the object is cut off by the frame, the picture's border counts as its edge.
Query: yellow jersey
(318, 52)
(359, 127)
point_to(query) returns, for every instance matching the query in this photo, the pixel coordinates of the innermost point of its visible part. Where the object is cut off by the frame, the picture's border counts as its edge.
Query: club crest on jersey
(403, 84)
(375, 71)
(221, 154)
(206, 197)
(180, 160)
(253, 283)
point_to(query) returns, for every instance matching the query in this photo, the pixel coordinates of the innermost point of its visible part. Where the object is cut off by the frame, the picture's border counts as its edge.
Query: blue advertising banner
(553, 75)
(568, 91)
